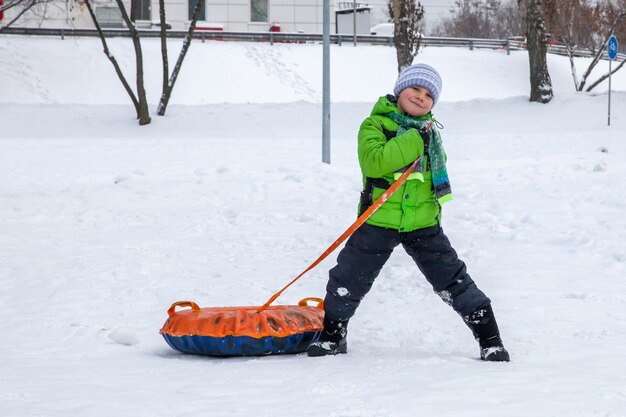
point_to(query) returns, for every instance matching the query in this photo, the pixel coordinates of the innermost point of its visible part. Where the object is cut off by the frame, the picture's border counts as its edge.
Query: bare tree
(583, 24)
(483, 19)
(617, 19)
(540, 82)
(168, 85)
(139, 101)
(407, 17)
(20, 6)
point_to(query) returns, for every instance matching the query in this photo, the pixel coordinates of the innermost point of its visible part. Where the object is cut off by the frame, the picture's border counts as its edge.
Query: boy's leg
(432, 252)
(358, 265)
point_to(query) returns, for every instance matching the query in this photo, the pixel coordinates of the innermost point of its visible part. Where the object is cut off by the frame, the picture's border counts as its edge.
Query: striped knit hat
(419, 75)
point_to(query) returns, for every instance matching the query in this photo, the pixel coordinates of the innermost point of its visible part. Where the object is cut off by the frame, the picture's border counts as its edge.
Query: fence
(511, 44)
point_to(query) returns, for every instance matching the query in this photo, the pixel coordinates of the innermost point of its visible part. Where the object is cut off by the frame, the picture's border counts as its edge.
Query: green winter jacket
(413, 206)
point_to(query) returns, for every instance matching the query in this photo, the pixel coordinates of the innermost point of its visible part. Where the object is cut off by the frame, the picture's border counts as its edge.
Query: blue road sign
(612, 47)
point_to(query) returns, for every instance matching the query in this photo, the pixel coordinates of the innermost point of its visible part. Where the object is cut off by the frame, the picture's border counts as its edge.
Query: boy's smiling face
(415, 101)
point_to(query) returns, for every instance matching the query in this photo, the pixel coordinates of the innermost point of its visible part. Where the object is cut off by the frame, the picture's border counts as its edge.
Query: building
(351, 15)
(228, 15)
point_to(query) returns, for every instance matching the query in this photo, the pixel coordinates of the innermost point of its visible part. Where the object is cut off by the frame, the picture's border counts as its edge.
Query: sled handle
(172, 310)
(305, 302)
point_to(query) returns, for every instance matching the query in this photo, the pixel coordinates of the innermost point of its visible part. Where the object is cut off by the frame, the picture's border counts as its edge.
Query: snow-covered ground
(103, 224)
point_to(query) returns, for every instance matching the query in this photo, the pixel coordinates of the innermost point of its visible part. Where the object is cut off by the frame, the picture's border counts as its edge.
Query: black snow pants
(367, 250)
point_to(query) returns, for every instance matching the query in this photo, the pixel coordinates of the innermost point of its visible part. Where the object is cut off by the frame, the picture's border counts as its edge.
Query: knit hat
(419, 75)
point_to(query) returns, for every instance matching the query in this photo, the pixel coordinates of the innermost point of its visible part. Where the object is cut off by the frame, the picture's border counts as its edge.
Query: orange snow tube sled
(243, 331)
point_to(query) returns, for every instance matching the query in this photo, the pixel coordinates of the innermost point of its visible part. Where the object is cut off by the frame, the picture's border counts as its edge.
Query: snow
(104, 224)
(342, 291)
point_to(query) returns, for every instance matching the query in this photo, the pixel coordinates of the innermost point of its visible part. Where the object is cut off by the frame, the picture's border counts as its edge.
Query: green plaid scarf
(436, 155)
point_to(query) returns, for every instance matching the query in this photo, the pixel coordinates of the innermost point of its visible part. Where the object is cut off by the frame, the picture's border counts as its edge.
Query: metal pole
(354, 20)
(326, 84)
(609, 121)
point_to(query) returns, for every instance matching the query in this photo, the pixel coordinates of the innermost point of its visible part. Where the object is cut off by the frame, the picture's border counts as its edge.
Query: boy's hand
(414, 136)
(425, 135)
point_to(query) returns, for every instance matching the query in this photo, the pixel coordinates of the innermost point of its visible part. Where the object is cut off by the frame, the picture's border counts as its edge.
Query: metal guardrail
(512, 44)
(581, 53)
(279, 37)
(202, 34)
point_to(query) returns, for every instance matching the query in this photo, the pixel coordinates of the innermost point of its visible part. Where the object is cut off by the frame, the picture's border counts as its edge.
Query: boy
(400, 130)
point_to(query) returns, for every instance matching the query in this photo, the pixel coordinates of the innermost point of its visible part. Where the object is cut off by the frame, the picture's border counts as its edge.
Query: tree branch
(165, 98)
(164, 58)
(570, 54)
(142, 107)
(26, 8)
(112, 58)
(605, 76)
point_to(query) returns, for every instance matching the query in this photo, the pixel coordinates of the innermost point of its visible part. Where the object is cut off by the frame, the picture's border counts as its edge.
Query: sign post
(612, 52)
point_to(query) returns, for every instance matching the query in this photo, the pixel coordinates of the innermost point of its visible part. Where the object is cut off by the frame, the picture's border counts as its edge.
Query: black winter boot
(332, 340)
(483, 325)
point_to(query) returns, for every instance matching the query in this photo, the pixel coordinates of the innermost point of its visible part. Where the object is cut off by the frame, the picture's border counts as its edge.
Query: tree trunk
(570, 54)
(407, 16)
(403, 50)
(164, 58)
(167, 91)
(144, 113)
(118, 70)
(540, 82)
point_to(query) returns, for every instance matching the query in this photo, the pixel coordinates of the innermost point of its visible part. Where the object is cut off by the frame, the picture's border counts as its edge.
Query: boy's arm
(379, 157)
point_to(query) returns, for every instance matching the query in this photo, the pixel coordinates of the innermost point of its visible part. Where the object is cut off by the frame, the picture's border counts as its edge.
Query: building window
(258, 10)
(109, 17)
(142, 9)
(192, 6)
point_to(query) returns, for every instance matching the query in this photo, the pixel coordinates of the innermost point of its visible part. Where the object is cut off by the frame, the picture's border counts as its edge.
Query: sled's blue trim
(241, 345)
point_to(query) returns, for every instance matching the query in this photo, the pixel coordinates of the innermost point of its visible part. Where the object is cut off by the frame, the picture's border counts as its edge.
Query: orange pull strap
(362, 219)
